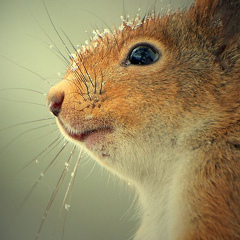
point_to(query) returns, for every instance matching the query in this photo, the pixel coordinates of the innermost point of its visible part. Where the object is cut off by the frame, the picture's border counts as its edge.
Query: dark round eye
(142, 55)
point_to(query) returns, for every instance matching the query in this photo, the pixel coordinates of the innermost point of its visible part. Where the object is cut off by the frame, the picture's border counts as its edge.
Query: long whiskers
(25, 123)
(50, 147)
(79, 56)
(68, 193)
(78, 87)
(24, 133)
(67, 49)
(73, 178)
(27, 69)
(58, 141)
(56, 190)
(53, 46)
(55, 29)
(23, 89)
(111, 31)
(20, 101)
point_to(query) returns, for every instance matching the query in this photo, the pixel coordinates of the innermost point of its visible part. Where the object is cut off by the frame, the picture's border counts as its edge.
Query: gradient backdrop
(101, 206)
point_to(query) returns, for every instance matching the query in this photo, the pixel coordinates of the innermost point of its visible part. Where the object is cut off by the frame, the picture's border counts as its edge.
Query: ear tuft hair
(224, 14)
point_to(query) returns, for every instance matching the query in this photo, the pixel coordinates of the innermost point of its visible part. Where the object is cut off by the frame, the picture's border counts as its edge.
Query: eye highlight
(142, 55)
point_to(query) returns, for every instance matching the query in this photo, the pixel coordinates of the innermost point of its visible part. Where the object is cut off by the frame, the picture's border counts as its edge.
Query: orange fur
(183, 111)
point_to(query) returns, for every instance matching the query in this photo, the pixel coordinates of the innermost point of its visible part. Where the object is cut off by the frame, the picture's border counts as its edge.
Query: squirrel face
(153, 81)
(157, 102)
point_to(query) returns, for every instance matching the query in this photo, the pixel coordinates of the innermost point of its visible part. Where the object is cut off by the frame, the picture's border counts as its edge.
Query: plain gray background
(102, 207)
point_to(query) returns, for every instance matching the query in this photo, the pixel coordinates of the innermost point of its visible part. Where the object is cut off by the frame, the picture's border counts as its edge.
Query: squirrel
(157, 102)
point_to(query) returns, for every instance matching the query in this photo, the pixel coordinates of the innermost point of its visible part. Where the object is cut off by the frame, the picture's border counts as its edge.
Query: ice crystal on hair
(66, 164)
(218, 23)
(169, 9)
(106, 31)
(96, 33)
(134, 23)
(74, 66)
(73, 56)
(67, 207)
(97, 36)
(95, 44)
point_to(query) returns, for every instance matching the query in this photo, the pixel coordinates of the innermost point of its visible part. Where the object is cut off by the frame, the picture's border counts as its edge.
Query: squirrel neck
(174, 197)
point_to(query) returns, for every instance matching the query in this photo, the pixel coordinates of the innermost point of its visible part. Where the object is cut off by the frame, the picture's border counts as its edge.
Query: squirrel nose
(54, 102)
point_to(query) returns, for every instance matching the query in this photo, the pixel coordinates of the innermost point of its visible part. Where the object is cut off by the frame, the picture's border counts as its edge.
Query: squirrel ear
(228, 12)
(222, 13)
(225, 12)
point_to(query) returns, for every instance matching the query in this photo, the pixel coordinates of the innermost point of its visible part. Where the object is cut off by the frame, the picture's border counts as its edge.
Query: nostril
(55, 104)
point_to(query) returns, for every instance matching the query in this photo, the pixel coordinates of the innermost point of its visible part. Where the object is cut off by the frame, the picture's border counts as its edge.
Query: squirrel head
(154, 84)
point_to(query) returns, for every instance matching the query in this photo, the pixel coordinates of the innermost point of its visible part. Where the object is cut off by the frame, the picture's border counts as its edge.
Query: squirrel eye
(142, 55)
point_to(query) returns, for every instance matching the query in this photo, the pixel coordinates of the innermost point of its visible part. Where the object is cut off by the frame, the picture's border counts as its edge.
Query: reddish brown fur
(197, 80)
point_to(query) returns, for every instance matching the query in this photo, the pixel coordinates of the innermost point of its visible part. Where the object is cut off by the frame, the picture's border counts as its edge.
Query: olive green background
(102, 207)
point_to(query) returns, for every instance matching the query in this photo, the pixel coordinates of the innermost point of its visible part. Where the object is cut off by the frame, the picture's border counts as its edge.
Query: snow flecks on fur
(98, 37)
(74, 66)
(134, 23)
(95, 39)
(74, 60)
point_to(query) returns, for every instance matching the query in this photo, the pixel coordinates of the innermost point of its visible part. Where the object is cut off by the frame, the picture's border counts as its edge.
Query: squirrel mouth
(82, 136)
(86, 134)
